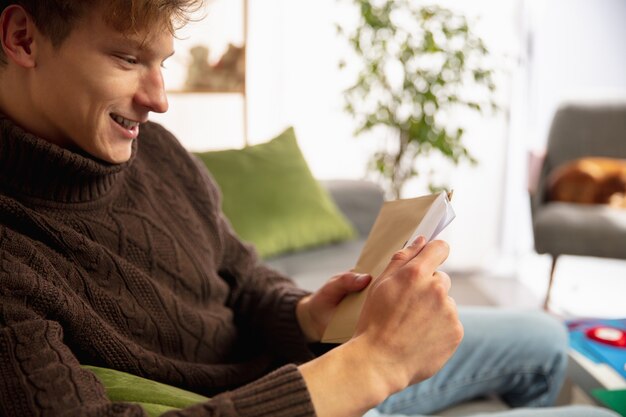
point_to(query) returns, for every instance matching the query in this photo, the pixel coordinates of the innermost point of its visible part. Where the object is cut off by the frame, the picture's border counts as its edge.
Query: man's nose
(151, 93)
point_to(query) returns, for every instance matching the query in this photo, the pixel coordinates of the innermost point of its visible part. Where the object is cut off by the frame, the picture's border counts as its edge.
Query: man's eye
(128, 59)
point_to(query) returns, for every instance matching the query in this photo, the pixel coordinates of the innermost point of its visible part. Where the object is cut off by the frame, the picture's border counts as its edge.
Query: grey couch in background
(360, 202)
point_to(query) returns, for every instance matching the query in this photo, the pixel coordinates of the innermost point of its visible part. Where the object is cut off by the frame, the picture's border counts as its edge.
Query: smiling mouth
(124, 122)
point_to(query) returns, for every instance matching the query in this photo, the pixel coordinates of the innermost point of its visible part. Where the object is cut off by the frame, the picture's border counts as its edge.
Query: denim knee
(545, 340)
(548, 333)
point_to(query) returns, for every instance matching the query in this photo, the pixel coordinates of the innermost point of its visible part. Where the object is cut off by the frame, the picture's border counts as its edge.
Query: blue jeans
(519, 356)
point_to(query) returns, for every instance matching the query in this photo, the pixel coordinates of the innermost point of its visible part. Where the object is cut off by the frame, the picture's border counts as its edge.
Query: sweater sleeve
(41, 376)
(282, 393)
(262, 298)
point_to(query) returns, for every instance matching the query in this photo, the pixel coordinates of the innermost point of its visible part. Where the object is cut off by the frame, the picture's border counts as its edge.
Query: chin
(118, 156)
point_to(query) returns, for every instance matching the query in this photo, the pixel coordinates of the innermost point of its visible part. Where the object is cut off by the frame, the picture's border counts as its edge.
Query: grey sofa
(360, 202)
(580, 130)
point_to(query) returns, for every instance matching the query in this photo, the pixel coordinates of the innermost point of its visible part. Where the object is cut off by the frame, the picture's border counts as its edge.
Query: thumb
(341, 285)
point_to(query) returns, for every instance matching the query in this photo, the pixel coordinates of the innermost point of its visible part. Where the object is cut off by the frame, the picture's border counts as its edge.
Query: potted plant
(418, 65)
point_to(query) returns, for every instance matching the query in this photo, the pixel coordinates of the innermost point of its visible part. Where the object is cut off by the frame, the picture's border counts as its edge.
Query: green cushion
(154, 397)
(272, 199)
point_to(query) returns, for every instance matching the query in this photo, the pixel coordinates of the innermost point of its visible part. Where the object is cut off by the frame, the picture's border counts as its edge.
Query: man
(113, 252)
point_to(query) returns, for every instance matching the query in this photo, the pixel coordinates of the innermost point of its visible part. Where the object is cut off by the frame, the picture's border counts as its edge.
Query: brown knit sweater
(133, 267)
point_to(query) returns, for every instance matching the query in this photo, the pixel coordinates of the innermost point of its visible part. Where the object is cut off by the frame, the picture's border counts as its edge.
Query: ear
(17, 34)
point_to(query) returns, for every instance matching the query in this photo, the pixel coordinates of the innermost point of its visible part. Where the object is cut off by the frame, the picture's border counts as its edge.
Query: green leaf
(439, 64)
(474, 106)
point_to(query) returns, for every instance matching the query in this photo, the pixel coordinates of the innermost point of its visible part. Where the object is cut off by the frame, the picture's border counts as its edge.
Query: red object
(611, 336)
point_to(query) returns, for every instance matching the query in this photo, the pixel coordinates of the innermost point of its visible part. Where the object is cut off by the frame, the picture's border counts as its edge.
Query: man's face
(94, 90)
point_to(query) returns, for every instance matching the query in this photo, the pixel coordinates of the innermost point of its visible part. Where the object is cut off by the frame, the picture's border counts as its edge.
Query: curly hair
(56, 18)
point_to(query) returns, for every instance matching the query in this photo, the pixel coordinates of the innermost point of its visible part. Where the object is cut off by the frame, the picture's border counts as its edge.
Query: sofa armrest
(358, 200)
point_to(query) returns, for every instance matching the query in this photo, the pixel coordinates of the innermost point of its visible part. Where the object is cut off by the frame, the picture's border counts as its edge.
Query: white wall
(575, 50)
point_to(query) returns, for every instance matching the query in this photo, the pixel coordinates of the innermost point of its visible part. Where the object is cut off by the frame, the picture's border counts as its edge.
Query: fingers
(408, 252)
(445, 282)
(341, 285)
(431, 256)
(356, 282)
(422, 257)
(404, 255)
(444, 279)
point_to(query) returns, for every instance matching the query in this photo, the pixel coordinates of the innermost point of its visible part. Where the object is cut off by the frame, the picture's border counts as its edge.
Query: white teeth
(128, 124)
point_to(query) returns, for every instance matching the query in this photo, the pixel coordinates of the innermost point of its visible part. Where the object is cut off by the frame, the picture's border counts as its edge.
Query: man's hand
(407, 330)
(409, 324)
(315, 311)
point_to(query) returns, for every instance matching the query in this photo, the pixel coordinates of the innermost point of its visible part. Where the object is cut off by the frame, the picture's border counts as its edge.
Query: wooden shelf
(180, 92)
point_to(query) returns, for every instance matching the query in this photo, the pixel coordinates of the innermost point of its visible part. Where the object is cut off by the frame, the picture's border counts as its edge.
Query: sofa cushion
(310, 269)
(154, 397)
(576, 229)
(272, 199)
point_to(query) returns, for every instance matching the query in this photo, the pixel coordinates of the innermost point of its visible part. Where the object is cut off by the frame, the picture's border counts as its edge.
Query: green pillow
(272, 199)
(154, 397)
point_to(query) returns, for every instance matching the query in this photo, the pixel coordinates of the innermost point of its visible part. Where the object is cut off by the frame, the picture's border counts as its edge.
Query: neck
(18, 104)
(32, 167)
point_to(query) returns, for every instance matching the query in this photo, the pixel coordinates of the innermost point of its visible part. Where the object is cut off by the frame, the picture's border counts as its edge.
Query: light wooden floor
(474, 288)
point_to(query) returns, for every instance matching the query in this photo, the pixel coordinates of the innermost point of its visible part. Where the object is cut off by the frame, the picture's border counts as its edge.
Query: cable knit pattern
(133, 267)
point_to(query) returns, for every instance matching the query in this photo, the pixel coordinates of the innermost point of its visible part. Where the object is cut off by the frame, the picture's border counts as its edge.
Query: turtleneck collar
(33, 167)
